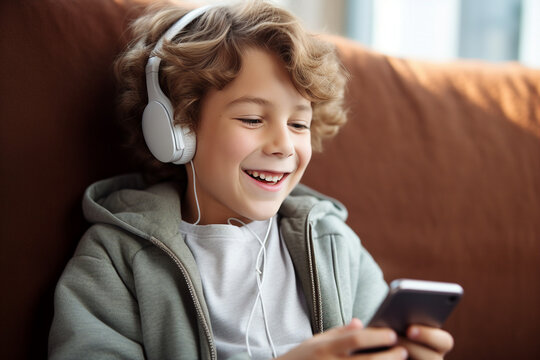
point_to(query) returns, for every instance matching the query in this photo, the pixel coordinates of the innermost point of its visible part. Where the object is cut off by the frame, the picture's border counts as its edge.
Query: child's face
(258, 125)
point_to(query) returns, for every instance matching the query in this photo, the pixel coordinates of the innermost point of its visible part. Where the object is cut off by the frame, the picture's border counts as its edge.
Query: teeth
(268, 178)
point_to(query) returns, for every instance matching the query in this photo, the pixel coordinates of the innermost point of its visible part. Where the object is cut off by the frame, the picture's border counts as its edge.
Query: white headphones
(168, 142)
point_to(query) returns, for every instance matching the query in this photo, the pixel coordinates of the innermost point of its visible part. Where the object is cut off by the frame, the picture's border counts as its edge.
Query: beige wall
(319, 15)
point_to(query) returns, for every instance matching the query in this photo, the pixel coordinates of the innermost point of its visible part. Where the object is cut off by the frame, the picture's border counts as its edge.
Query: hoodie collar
(127, 202)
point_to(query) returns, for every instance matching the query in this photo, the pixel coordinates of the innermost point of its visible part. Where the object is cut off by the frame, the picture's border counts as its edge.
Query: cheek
(224, 147)
(237, 146)
(304, 152)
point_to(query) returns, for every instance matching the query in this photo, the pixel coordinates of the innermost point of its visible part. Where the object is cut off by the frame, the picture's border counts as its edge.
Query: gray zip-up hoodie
(133, 291)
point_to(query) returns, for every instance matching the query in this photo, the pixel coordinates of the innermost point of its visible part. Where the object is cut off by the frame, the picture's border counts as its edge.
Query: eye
(299, 126)
(250, 122)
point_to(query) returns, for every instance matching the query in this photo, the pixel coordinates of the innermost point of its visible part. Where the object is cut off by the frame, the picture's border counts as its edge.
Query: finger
(355, 324)
(418, 351)
(394, 353)
(439, 340)
(365, 339)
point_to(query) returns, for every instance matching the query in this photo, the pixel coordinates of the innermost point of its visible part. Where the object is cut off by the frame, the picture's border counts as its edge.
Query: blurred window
(494, 30)
(490, 29)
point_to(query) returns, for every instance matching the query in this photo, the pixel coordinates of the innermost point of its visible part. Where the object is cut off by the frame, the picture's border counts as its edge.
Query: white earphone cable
(260, 282)
(195, 192)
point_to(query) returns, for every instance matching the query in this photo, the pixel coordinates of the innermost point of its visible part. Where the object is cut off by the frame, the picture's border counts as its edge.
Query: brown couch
(439, 166)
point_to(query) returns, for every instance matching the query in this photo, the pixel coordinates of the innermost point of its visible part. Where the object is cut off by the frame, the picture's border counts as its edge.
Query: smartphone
(416, 302)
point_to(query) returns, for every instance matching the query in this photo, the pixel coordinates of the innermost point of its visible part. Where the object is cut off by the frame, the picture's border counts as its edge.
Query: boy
(227, 256)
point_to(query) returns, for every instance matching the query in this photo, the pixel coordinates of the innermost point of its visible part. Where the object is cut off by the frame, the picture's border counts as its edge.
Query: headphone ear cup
(186, 137)
(158, 132)
(165, 140)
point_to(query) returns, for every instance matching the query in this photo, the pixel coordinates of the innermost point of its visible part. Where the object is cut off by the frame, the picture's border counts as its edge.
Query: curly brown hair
(207, 54)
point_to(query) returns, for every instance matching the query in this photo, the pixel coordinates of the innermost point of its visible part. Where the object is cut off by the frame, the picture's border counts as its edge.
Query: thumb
(355, 324)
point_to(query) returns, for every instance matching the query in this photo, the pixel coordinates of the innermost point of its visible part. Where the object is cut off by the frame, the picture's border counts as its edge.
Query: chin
(262, 218)
(261, 215)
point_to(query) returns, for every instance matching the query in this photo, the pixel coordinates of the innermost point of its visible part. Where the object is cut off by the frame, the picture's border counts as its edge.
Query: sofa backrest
(439, 166)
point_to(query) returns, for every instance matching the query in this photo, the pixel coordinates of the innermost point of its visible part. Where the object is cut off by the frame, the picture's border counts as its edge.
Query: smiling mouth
(266, 177)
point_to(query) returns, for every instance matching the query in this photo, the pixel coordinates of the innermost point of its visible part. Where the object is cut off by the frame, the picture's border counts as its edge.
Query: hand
(424, 342)
(342, 342)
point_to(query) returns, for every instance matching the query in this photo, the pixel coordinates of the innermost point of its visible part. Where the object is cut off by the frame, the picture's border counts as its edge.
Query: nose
(279, 141)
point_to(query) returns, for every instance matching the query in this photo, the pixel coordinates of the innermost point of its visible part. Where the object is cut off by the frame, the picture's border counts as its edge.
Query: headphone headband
(179, 25)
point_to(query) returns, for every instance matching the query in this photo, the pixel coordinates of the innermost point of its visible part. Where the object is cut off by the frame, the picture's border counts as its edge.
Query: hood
(125, 201)
(303, 201)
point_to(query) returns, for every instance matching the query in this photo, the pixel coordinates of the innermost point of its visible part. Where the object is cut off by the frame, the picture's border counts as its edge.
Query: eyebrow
(263, 102)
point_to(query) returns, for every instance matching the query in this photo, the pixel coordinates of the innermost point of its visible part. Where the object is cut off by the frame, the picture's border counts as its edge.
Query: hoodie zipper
(194, 297)
(315, 285)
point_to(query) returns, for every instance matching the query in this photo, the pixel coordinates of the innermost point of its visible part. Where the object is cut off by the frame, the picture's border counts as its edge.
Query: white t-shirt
(226, 256)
